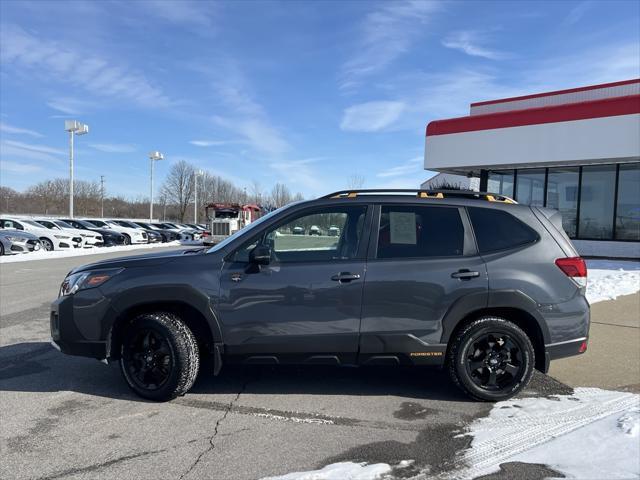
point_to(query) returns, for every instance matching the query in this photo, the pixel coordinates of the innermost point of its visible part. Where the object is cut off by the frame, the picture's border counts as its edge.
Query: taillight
(574, 267)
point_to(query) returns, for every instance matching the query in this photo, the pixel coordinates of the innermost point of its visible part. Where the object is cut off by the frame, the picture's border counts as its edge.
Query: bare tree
(280, 195)
(178, 186)
(355, 181)
(255, 191)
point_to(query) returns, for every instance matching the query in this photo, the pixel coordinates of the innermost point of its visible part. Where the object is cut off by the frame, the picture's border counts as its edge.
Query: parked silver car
(15, 241)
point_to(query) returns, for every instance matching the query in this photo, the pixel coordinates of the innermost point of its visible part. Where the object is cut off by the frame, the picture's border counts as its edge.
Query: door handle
(344, 277)
(464, 274)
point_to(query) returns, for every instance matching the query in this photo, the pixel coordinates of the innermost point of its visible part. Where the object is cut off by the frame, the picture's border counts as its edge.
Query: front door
(305, 304)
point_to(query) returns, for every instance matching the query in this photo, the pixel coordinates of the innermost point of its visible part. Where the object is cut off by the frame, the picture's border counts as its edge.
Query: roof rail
(420, 193)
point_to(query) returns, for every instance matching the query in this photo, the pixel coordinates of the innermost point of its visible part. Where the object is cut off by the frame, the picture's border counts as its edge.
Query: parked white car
(89, 238)
(131, 235)
(50, 239)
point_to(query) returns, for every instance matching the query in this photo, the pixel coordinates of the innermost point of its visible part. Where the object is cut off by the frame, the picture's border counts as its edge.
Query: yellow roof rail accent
(433, 195)
(500, 198)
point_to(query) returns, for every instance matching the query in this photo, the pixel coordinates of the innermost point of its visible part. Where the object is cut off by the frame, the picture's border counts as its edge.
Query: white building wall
(578, 141)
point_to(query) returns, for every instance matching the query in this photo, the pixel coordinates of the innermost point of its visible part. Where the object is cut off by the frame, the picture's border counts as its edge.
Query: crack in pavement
(215, 431)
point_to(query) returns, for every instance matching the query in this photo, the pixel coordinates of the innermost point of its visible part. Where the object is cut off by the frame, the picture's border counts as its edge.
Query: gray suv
(468, 281)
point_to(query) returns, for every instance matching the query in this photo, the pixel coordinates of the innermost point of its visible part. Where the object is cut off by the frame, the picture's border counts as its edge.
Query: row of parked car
(28, 234)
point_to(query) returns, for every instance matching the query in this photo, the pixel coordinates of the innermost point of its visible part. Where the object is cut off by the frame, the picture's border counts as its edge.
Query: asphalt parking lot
(71, 417)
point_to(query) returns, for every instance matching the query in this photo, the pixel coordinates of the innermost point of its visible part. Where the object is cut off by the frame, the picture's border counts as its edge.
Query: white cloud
(186, 12)
(114, 147)
(76, 68)
(301, 175)
(69, 106)
(371, 116)
(20, 168)
(43, 153)
(6, 128)
(244, 116)
(577, 12)
(384, 35)
(470, 42)
(412, 166)
(208, 143)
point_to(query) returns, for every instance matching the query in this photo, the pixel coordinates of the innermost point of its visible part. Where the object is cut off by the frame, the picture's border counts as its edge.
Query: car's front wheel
(46, 244)
(159, 356)
(491, 359)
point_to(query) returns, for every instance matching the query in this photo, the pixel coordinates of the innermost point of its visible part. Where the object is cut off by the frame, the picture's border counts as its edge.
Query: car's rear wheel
(46, 244)
(491, 359)
(159, 356)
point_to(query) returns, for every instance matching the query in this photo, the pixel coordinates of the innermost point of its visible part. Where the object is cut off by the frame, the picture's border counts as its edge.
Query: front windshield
(143, 225)
(85, 224)
(48, 224)
(249, 228)
(32, 223)
(98, 223)
(62, 224)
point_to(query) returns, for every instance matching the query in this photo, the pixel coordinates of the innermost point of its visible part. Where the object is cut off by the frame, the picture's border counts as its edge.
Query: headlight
(84, 280)
(62, 237)
(16, 239)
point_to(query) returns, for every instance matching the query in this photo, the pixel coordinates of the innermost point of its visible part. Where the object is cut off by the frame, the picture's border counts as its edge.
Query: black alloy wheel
(159, 356)
(491, 359)
(494, 361)
(150, 358)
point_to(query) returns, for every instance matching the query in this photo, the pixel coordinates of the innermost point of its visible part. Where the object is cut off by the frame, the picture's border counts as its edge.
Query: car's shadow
(38, 367)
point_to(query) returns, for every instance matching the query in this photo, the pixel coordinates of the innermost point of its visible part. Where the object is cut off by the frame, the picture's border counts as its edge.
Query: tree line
(173, 201)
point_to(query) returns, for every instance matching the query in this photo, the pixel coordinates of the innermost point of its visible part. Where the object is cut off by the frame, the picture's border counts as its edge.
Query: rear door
(422, 260)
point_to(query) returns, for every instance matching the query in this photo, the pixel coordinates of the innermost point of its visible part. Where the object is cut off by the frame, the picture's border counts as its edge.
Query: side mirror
(260, 255)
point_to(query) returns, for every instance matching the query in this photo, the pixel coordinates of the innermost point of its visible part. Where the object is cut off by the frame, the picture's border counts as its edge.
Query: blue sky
(306, 93)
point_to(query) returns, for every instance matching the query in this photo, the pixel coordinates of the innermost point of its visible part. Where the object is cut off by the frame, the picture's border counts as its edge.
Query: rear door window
(499, 230)
(415, 231)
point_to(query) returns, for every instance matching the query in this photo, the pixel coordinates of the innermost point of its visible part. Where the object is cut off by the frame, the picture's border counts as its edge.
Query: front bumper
(76, 324)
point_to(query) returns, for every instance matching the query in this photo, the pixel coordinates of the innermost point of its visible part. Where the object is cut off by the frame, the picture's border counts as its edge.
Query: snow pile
(78, 252)
(340, 471)
(607, 279)
(592, 434)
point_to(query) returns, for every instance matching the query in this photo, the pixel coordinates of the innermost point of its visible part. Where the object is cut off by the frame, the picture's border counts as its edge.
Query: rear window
(499, 230)
(420, 231)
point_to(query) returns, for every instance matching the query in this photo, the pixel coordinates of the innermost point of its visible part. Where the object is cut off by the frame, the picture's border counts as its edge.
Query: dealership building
(574, 150)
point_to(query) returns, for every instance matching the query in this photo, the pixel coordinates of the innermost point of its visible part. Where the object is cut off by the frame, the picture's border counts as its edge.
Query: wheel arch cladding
(523, 319)
(204, 327)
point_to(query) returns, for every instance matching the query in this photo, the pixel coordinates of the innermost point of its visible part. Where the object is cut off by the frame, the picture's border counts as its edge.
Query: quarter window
(420, 231)
(498, 230)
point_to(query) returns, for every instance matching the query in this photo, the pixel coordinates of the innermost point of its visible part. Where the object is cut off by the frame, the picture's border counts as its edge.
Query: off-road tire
(457, 362)
(184, 351)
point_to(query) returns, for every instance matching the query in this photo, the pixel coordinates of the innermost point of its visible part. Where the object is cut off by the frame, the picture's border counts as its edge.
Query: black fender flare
(158, 294)
(477, 302)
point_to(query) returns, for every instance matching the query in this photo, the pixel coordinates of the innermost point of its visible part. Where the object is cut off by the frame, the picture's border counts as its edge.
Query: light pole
(101, 196)
(196, 174)
(77, 128)
(154, 157)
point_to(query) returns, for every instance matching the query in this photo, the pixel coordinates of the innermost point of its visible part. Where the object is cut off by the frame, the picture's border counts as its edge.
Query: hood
(18, 233)
(145, 260)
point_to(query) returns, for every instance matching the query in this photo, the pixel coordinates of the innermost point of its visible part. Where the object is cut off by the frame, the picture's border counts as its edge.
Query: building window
(628, 208)
(596, 202)
(562, 195)
(501, 182)
(530, 187)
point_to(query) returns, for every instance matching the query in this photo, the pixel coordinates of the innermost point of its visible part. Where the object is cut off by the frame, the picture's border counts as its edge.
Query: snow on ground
(592, 434)
(77, 252)
(608, 279)
(340, 471)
